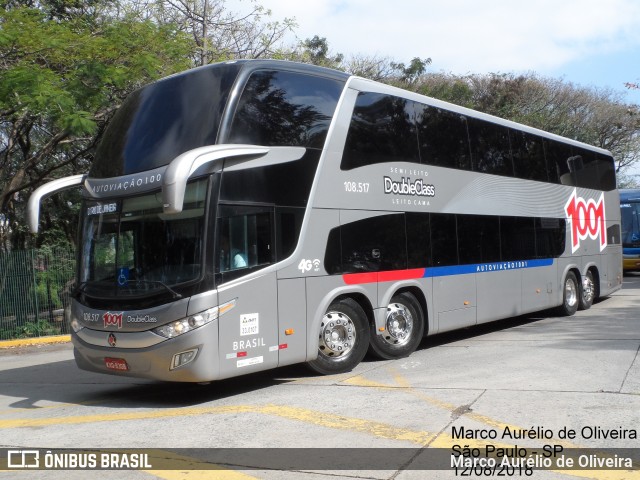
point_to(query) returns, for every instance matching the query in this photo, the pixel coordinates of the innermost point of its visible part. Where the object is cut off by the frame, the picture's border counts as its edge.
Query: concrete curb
(26, 342)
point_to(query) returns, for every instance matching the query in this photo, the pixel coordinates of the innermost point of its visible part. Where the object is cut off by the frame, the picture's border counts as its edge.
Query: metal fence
(34, 290)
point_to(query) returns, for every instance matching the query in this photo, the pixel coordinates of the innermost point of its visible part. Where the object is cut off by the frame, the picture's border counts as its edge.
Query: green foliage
(41, 328)
(316, 52)
(411, 73)
(65, 66)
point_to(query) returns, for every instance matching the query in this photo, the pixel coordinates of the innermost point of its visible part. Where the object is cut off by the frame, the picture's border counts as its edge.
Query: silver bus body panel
(154, 362)
(128, 340)
(248, 333)
(115, 320)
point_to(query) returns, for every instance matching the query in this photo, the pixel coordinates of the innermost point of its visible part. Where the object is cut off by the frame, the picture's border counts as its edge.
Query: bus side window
(369, 245)
(606, 172)
(444, 239)
(517, 238)
(418, 240)
(374, 244)
(443, 138)
(558, 155)
(529, 161)
(490, 148)
(478, 238)
(550, 237)
(244, 239)
(280, 108)
(382, 130)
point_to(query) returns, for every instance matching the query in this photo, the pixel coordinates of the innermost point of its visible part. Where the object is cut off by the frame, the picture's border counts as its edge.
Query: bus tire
(343, 338)
(587, 291)
(404, 328)
(570, 295)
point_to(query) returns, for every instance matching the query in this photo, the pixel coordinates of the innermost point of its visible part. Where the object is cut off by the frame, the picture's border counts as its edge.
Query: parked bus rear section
(630, 212)
(253, 214)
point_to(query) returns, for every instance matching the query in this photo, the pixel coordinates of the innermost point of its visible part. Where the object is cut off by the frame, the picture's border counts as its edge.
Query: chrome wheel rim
(337, 335)
(398, 325)
(571, 292)
(588, 288)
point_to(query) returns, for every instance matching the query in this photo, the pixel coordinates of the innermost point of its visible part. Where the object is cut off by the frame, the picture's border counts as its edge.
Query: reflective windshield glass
(162, 120)
(630, 224)
(131, 248)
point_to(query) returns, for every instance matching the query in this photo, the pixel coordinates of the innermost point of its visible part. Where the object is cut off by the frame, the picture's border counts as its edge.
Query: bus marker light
(288, 331)
(466, 302)
(381, 329)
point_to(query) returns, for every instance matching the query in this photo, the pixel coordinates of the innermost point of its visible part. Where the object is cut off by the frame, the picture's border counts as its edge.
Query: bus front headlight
(184, 325)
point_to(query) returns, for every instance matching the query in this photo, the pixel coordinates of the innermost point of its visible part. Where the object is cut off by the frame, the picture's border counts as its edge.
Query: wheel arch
(417, 292)
(359, 295)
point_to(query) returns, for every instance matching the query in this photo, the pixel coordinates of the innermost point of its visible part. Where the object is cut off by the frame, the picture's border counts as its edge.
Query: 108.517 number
(356, 187)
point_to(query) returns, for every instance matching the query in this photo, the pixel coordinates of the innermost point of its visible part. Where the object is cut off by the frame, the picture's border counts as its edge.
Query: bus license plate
(119, 364)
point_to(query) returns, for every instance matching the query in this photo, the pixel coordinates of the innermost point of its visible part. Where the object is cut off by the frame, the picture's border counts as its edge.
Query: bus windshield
(130, 248)
(630, 224)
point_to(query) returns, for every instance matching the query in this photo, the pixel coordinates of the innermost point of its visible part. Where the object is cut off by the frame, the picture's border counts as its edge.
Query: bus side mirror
(184, 165)
(236, 157)
(33, 207)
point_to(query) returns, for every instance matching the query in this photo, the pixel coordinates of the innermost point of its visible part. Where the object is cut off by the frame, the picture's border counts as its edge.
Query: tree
(316, 50)
(217, 33)
(410, 74)
(64, 69)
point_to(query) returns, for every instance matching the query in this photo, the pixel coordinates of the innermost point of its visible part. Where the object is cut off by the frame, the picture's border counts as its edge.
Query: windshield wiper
(175, 294)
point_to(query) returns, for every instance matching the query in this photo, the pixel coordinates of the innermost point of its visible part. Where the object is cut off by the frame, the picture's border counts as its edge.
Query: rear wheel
(587, 292)
(403, 329)
(343, 338)
(571, 294)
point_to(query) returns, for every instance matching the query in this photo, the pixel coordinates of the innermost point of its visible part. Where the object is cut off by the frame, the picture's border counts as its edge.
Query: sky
(591, 43)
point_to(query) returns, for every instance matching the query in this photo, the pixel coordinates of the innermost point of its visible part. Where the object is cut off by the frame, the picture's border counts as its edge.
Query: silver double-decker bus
(253, 214)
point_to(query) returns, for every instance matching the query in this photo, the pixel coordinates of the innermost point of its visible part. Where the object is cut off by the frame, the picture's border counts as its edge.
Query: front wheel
(571, 294)
(343, 338)
(403, 329)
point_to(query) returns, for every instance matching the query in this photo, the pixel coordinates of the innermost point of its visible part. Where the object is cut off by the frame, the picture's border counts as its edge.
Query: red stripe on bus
(387, 276)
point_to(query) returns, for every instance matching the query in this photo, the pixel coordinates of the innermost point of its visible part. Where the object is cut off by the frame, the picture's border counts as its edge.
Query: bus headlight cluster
(184, 325)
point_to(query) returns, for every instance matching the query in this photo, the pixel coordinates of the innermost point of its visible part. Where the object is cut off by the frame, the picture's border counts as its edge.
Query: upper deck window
(281, 108)
(382, 130)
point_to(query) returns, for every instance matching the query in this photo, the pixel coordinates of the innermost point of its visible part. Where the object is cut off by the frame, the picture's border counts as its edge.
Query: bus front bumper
(191, 357)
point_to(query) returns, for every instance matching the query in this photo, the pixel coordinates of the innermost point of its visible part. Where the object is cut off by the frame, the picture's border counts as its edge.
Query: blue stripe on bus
(631, 251)
(486, 267)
